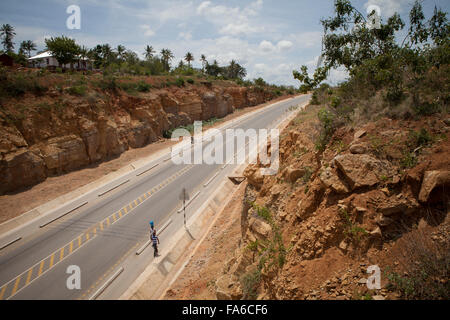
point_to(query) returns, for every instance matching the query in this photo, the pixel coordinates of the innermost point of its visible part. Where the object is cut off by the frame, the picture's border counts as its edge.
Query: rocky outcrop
(363, 170)
(434, 180)
(77, 133)
(353, 204)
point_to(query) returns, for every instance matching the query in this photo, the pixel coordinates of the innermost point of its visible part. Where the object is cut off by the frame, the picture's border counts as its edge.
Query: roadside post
(184, 196)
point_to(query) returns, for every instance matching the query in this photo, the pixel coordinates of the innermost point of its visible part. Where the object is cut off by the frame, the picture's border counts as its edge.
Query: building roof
(48, 54)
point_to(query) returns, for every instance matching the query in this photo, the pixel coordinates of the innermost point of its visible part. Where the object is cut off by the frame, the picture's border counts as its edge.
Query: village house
(47, 60)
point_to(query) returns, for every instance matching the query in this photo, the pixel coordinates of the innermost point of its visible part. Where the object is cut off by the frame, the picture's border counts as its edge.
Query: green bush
(143, 87)
(179, 82)
(250, 283)
(191, 81)
(77, 90)
(108, 83)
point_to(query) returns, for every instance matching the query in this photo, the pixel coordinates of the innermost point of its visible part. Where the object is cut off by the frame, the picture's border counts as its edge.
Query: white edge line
(10, 243)
(106, 284)
(154, 166)
(210, 180)
(190, 201)
(62, 215)
(120, 184)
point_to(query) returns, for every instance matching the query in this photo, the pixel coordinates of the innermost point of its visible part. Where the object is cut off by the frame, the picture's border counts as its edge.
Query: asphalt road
(98, 237)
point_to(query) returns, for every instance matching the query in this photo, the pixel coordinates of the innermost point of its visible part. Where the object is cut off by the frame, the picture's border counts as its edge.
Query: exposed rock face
(48, 142)
(19, 168)
(293, 174)
(331, 180)
(363, 170)
(433, 180)
(64, 153)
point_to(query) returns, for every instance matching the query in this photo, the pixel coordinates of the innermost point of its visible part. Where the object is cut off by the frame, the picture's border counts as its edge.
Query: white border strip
(106, 284)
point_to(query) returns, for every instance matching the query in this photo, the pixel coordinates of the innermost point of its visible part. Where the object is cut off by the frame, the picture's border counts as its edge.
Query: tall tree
(64, 49)
(166, 56)
(120, 51)
(204, 62)
(213, 69)
(235, 71)
(7, 34)
(189, 57)
(27, 46)
(149, 52)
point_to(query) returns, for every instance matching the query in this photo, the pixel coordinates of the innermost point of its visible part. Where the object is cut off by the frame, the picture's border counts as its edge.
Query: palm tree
(120, 51)
(7, 33)
(28, 46)
(107, 54)
(149, 52)
(204, 62)
(189, 57)
(166, 55)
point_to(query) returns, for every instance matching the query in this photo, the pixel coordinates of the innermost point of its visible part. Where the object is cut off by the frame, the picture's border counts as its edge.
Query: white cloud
(284, 45)
(266, 46)
(148, 32)
(307, 39)
(232, 20)
(185, 35)
(203, 6)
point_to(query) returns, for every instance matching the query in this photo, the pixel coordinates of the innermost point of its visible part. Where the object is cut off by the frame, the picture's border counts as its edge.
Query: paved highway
(101, 235)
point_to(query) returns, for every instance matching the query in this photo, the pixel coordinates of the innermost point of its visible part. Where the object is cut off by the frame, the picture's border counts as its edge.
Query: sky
(270, 38)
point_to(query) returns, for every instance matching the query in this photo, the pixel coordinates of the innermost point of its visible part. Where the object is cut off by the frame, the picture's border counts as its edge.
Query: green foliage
(352, 231)
(179, 82)
(310, 83)
(190, 81)
(77, 90)
(143, 86)
(64, 49)
(15, 85)
(250, 283)
(108, 83)
(326, 119)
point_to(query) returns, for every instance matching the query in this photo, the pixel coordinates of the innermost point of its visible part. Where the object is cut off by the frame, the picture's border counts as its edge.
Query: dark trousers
(155, 248)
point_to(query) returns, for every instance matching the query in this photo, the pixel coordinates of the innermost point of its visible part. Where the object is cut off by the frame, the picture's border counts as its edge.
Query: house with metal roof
(47, 60)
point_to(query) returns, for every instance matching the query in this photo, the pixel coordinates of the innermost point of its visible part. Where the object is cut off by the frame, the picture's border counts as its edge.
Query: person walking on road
(155, 241)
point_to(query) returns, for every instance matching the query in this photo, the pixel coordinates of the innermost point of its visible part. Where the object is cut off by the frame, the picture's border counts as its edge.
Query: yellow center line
(130, 206)
(41, 267)
(125, 209)
(3, 291)
(114, 217)
(120, 214)
(71, 247)
(145, 196)
(135, 202)
(30, 272)
(107, 221)
(87, 236)
(140, 199)
(52, 258)
(61, 254)
(79, 241)
(16, 285)
(94, 231)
